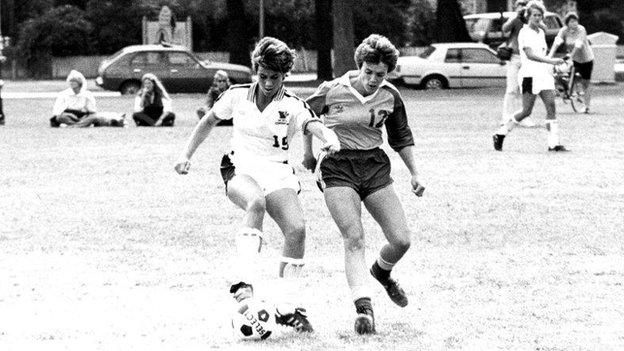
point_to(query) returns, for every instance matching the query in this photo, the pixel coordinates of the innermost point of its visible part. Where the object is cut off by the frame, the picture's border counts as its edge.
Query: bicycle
(568, 86)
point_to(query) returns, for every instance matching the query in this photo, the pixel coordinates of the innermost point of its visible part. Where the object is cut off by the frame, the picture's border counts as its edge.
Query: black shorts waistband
(357, 152)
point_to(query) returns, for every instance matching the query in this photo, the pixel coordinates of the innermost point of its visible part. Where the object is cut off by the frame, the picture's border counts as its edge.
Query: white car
(451, 65)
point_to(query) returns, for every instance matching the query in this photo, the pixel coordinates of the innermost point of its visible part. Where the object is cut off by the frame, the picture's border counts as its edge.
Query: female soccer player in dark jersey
(356, 106)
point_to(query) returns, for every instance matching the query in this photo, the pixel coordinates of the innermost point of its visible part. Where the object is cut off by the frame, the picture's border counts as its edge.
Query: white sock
(248, 246)
(507, 126)
(289, 283)
(553, 133)
(385, 265)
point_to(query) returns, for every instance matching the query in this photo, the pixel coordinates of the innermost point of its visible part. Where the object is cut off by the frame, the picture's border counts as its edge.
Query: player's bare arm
(200, 133)
(407, 155)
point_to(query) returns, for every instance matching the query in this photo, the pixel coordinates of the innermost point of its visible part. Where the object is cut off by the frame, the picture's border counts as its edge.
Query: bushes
(61, 31)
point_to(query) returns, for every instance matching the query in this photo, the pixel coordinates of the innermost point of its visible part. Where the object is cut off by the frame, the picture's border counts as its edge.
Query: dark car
(178, 69)
(487, 28)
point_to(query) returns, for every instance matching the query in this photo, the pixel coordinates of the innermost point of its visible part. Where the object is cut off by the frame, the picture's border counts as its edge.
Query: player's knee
(354, 241)
(257, 205)
(402, 244)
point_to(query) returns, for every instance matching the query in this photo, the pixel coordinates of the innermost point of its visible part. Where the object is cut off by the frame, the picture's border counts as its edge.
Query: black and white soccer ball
(253, 320)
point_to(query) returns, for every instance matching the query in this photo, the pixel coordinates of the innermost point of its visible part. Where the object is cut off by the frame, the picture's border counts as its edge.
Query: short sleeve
(318, 100)
(223, 107)
(90, 103)
(302, 115)
(522, 39)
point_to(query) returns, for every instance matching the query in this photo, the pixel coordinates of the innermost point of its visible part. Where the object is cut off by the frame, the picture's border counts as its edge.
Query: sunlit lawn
(104, 247)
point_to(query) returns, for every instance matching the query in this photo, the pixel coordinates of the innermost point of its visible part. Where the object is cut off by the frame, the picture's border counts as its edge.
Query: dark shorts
(366, 171)
(228, 171)
(527, 85)
(584, 69)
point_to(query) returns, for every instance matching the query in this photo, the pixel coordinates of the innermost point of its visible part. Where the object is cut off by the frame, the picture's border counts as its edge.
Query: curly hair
(273, 54)
(376, 49)
(535, 4)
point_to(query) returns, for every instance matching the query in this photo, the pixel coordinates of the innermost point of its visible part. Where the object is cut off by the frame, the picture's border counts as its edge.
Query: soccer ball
(253, 320)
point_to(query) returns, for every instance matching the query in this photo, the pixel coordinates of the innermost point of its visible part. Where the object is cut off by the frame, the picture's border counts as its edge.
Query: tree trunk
(450, 23)
(237, 39)
(323, 39)
(342, 11)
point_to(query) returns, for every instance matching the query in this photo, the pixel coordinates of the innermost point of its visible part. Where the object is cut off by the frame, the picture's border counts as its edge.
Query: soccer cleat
(394, 290)
(297, 319)
(498, 141)
(365, 320)
(241, 291)
(558, 148)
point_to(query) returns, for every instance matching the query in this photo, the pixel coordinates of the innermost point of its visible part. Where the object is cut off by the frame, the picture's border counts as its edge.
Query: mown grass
(104, 247)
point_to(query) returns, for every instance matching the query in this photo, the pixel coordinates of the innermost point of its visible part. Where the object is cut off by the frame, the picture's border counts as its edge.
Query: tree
(237, 37)
(343, 36)
(115, 25)
(62, 31)
(323, 39)
(450, 23)
(421, 23)
(602, 15)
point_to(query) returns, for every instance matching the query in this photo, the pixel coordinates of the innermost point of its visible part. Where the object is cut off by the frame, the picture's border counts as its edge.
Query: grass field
(104, 247)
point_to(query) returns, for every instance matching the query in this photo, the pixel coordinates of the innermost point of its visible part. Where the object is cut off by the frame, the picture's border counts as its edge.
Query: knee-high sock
(289, 283)
(507, 126)
(248, 246)
(553, 133)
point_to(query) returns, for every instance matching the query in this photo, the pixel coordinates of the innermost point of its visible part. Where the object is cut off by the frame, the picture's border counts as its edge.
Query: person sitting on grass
(152, 106)
(220, 83)
(75, 107)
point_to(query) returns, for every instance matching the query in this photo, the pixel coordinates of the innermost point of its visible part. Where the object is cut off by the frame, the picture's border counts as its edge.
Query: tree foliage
(602, 16)
(61, 31)
(115, 25)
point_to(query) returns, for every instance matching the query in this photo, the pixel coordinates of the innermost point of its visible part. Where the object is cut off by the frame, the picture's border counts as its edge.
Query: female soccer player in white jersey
(535, 78)
(256, 173)
(356, 106)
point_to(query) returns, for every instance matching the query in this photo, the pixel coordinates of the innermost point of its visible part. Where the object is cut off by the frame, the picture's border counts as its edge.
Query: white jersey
(260, 137)
(536, 40)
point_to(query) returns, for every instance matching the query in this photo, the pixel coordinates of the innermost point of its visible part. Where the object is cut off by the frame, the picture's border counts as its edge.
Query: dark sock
(380, 273)
(364, 305)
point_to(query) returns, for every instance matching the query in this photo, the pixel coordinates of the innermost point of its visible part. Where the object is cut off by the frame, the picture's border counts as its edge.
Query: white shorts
(534, 85)
(270, 176)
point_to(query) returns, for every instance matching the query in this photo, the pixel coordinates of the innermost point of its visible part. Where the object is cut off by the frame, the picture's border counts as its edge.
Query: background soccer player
(356, 106)
(256, 173)
(536, 78)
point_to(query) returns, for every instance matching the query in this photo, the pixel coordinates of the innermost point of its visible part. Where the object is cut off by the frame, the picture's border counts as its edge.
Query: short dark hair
(273, 54)
(377, 49)
(570, 16)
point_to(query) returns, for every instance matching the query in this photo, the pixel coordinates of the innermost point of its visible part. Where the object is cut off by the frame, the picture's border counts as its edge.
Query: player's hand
(332, 144)
(417, 188)
(309, 162)
(183, 165)
(558, 61)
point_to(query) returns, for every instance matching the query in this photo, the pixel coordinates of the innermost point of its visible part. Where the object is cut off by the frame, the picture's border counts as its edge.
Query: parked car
(179, 69)
(451, 65)
(488, 27)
